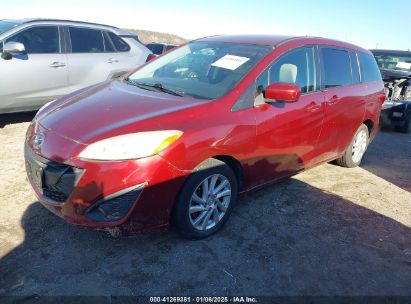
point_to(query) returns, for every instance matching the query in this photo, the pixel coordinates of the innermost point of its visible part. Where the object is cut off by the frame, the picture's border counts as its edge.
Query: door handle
(112, 60)
(333, 99)
(57, 64)
(312, 107)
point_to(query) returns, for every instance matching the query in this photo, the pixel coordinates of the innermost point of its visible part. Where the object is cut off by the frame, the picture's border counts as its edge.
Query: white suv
(43, 59)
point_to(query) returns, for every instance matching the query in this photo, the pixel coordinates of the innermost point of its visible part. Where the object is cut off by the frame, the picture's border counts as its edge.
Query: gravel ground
(328, 231)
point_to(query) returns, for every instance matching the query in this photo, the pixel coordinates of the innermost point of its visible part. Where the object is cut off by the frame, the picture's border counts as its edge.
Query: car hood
(389, 74)
(106, 109)
(396, 104)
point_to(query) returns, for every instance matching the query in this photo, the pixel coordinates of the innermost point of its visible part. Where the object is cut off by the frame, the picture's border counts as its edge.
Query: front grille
(55, 180)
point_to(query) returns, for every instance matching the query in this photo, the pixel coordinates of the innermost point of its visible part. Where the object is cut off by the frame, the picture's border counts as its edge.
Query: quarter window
(262, 82)
(246, 100)
(120, 44)
(336, 65)
(38, 40)
(369, 68)
(85, 40)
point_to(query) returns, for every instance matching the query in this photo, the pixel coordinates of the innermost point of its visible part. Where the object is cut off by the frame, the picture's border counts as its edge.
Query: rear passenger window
(354, 68)
(336, 65)
(369, 68)
(85, 40)
(108, 45)
(295, 67)
(38, 40)
(120, 44)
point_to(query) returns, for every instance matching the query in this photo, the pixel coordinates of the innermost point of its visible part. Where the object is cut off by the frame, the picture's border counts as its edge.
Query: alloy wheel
(359, 146)
(209, 202)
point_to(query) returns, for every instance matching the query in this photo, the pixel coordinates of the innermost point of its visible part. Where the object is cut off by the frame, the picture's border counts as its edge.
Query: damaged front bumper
(133, 195)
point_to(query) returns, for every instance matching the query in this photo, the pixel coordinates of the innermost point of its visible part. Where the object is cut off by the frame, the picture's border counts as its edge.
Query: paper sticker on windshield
(403, 65)
(230, 62)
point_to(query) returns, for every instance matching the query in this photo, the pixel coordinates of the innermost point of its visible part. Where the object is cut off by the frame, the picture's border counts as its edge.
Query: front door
(32, 79)
(287, 133)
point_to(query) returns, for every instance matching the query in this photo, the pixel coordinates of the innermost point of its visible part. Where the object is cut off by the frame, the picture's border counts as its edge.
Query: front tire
(206, 200)
(353, 155)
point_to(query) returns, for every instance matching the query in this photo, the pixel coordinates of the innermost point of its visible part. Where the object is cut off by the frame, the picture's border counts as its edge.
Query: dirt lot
(329, 231)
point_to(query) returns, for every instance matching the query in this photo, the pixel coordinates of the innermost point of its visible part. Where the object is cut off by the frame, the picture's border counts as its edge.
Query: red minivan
(178, 139)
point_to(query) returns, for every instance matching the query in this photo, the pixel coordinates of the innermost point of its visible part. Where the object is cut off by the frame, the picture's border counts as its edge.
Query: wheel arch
(234, 164)
(228, 160)
(370, 125)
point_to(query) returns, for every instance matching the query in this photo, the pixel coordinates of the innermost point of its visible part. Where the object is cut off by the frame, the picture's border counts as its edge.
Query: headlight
(130, 146)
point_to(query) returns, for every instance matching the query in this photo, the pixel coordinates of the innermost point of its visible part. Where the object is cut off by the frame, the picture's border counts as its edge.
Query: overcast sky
(368, 23)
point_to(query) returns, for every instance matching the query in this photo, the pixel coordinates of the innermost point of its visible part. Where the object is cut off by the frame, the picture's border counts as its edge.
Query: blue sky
(370, 24)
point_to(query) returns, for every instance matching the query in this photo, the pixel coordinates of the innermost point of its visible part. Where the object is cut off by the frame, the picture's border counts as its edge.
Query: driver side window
(296, 67)
(38, 40)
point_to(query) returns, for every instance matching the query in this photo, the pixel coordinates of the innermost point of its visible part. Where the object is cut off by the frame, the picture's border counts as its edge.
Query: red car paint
(283, 91)
(267, 143)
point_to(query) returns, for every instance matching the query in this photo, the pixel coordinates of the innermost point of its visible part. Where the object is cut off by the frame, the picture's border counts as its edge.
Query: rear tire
(353, 155)
(206, 200)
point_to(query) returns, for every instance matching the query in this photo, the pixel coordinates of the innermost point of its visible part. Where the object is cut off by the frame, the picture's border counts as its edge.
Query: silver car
(42, 60)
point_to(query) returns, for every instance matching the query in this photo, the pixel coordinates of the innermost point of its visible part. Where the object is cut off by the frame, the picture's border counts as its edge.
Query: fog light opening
(114, 207)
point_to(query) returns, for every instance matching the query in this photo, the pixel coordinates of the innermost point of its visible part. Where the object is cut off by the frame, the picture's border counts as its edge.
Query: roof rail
(65, 20)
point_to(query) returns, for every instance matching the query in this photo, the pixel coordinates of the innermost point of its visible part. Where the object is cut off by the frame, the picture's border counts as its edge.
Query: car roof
(32, 20)
(22, 22)
(28, 21)
(16, 21)
(249, 39)
(275, 40)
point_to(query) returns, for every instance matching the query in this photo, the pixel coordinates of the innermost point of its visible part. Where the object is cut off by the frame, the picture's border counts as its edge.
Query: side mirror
(12, 48)
(281, 91)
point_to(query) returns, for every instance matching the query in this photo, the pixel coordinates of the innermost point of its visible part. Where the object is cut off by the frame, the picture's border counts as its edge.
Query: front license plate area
(35, 172)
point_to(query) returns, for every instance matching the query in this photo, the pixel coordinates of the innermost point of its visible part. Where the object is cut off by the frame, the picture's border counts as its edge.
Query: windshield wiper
(160, 87)
(157, 87)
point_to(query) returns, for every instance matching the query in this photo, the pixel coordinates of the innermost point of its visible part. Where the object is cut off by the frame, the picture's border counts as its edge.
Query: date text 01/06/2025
(238, 299)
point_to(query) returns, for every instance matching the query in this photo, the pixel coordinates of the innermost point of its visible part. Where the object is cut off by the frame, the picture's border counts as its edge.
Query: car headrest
(288, 73)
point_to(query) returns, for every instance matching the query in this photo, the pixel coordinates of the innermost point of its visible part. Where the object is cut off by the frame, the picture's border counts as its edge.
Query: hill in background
(149, 36)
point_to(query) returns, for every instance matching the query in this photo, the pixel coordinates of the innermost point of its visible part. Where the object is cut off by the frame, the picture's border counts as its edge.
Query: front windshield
(6, 25)
(206, 70)
(393, 61)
